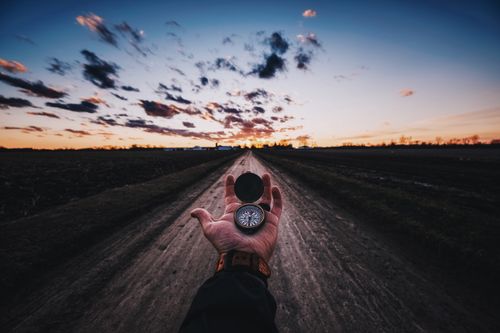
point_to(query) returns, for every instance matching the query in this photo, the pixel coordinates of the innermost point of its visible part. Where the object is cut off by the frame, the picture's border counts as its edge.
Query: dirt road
(330, 274)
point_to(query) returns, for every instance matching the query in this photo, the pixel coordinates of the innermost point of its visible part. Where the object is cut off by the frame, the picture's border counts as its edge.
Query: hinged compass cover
(249, 187)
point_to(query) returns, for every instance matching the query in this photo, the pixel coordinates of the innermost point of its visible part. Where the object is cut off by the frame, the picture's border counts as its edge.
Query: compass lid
(249, 187)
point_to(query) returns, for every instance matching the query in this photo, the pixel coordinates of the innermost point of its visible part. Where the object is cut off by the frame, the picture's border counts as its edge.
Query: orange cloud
(95, 100)
(309, 13)
(406, 92)
(12, 66)
(91, 21)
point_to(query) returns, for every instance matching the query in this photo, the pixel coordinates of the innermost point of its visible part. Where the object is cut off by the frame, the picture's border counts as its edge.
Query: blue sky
(374, 72)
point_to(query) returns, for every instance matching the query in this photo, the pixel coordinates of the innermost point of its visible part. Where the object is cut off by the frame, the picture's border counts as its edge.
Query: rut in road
(328, 274)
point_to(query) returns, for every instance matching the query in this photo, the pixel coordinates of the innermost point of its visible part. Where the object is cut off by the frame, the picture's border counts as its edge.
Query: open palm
(225, 236)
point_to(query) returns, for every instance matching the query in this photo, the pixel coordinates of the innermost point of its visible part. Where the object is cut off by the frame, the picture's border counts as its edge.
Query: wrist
(243, 261)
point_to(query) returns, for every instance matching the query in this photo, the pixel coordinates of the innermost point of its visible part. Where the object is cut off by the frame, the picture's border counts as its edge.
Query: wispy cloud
(32, 88)
(96, 24)
(406, 92)
(485, 123)
(79, 133)
(309, 39)
(83, 106)
(57, 66)
(44, 114)
(6, 102)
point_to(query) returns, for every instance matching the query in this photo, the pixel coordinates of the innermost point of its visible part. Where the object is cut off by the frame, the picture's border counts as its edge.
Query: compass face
(249, 216)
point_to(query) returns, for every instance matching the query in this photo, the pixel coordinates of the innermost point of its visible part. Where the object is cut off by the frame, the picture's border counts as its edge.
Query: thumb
(203, 217)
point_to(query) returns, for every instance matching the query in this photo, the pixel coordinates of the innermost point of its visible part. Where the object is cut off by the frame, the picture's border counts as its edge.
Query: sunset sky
(184, 73)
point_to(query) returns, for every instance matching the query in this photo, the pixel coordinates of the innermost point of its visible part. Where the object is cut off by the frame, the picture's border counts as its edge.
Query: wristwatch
(243, 261)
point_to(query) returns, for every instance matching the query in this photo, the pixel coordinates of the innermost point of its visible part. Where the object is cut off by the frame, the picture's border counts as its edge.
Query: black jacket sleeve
(231, 301)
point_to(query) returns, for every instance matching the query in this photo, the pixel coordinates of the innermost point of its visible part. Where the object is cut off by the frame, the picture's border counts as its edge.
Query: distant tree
(405, 140)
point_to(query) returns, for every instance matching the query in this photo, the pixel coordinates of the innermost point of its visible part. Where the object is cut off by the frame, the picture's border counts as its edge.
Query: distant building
(304, 147)
(217, 147)
(168, 149)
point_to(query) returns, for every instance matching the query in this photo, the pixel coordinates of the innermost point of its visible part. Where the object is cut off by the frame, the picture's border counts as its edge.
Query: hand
(225, 236)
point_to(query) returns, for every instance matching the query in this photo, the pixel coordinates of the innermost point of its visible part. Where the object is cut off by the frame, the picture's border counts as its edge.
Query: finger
(229, 195)
(203, 217)
(266, 196)
(277, 202)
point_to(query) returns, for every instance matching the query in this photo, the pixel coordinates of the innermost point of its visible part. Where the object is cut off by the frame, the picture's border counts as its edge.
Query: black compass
(249, 188)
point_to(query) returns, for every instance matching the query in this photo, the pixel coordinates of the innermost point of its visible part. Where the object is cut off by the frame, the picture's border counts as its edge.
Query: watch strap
(243, 261)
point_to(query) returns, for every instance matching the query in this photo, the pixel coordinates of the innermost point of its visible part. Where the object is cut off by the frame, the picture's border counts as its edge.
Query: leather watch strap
(238, 260)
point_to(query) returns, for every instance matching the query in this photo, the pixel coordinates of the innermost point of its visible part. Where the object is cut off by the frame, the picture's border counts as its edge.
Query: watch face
(249, 216)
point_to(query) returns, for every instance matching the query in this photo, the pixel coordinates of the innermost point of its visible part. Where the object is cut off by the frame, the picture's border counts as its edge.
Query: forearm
(232, 302)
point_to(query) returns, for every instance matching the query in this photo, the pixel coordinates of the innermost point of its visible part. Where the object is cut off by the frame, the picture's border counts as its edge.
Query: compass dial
(249, 216)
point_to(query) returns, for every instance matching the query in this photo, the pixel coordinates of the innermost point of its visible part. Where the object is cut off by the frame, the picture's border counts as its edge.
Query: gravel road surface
(329, 273)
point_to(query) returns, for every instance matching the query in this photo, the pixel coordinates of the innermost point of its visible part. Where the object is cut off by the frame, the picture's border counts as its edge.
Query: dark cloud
(249, 47)
(283, 119)
(268, 69)
(256, 95)
(258, 109)
(77, 132)
(98, 71)
(57, 66)
(162, 88)
(201, 65)
(228, 109)
(277, 43)
(188, 124)
(248, 129)
(262, 121)
(303, 59)
(120, 97)
(222, 63)
(130, 88)
(84, 106)
(96, 24)
(156, 109)
(32, 88)
(136, 35)
(25, 39)
(227, 40)
(178, 98)
(230, 120)
(105, 121)
(151, 128)
(173, 24)
(44, 114)
(27, 129)
(177, 70)
(6, 102)
(215, 83)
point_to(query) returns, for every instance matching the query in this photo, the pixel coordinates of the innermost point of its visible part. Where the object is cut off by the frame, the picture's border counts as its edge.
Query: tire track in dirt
(328, 274)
